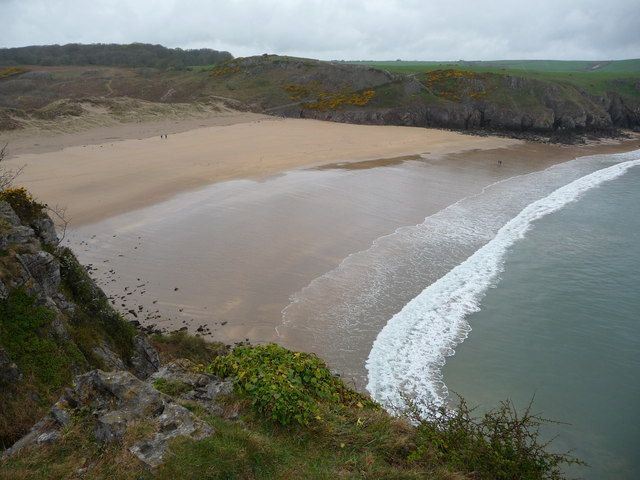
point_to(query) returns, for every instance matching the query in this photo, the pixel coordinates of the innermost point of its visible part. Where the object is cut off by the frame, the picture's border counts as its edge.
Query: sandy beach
(215, 228)
(109, 173)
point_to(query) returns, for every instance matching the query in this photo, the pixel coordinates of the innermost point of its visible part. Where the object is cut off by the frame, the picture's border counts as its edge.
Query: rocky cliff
(490, 103)
(55, 322)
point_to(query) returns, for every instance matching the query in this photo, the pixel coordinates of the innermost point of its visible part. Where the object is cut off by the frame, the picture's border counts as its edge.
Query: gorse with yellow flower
(12, 71)
(455, 84)
(322, 100)
(25, 206)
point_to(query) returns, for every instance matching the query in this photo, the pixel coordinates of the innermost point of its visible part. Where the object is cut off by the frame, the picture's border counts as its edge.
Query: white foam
(407, 356)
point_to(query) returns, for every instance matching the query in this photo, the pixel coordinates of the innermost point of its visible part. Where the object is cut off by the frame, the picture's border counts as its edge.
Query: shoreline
(221, 248)
(265, 239)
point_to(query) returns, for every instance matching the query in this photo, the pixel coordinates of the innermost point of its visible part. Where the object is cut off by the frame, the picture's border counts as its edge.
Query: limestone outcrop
(118, 401)
(55, 322)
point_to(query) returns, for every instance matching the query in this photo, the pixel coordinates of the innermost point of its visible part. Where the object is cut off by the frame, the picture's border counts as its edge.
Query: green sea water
(562, 327)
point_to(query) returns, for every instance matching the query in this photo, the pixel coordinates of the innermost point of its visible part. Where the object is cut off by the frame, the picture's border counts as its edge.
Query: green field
(520, 66)
(593, 77)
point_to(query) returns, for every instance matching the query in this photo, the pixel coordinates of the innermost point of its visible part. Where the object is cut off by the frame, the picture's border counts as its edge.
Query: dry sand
(107, 174)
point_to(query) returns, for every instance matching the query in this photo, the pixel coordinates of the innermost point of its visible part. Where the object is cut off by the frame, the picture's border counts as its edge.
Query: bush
(501, 444)
(286, 385)
(22, 203)
(11, 71)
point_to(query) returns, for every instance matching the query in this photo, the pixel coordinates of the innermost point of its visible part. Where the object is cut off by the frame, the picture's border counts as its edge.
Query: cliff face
(623, 111)
(491, 103)
(55, 323)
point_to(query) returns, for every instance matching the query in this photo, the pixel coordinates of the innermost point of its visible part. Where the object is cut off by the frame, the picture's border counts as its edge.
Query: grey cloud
(349, 29)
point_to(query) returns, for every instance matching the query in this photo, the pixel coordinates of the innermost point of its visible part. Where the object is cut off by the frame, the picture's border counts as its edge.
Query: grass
(351, 441)
(522, 66)
(620, 76)
(23, 333)
(94, 320)
(170, 387)
(180, 344)
(76, 455)
(351, 445)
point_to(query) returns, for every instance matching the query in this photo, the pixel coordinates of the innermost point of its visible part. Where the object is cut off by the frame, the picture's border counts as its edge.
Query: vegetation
(46, 363)
(24, 335)
(297, 419)
(522, 66)
(349, 439)
(500, 445)
(171, 387)
(131, 55)
(337, 102)
(180, 344)
(536, 100)
(6, 176)
(22, 203)
(455, 84)
(225, 70)
(94, 320)
(11, 71)
(287, 386)
(593, 77)
(49, 346)
(316, 98)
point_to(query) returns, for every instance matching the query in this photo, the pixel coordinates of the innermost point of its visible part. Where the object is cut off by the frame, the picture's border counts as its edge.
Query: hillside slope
(468, 100)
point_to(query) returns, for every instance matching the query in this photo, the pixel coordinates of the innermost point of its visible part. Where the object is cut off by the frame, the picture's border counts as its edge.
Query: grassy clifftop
(289, 418)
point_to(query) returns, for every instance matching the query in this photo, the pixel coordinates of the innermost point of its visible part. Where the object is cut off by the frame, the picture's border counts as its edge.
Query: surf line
(408, 354)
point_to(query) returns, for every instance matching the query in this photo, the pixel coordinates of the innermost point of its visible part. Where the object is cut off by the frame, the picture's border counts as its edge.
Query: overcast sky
(340, 29)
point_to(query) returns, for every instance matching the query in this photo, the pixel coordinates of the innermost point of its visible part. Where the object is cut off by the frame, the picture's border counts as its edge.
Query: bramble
(287, 385)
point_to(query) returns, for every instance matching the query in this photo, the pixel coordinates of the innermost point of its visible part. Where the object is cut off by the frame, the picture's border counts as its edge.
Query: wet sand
(214, 229)
(226, 258)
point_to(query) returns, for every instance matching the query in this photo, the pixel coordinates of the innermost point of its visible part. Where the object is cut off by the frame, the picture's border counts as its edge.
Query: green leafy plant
(501, 444)
(287, 385)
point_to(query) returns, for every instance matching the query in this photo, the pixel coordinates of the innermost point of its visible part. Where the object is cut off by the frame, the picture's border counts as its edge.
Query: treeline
(132, 55)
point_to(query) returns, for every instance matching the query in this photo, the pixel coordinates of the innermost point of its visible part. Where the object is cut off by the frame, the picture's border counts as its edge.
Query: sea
(528, 291)
(561, 327)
